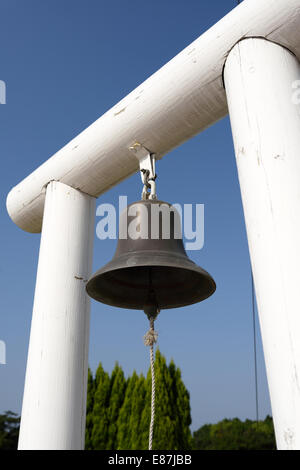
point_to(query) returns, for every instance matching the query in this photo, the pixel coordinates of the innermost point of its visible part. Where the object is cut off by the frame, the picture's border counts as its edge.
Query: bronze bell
(150, 270)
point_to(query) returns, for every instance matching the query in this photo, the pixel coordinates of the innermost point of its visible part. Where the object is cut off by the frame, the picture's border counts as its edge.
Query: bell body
(150, 268)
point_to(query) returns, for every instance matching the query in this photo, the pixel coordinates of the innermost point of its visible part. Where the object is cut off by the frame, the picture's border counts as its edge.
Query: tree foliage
(117, 392)
(172, 408)
(126, 414)
(89, 411)
(236, 435)
(100, 412)
(9, 431)
(120, 417)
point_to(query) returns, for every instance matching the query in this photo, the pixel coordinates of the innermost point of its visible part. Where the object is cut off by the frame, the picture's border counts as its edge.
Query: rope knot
(150, 337)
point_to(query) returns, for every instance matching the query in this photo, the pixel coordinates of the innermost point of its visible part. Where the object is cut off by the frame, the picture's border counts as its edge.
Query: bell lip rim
(160, 308)
(190, 266)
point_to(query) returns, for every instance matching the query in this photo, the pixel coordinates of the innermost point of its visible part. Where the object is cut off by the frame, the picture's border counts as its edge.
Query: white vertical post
(53, 414)
(265, 119)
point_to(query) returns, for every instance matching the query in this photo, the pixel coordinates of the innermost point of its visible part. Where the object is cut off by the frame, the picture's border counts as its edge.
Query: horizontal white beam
(177, 102)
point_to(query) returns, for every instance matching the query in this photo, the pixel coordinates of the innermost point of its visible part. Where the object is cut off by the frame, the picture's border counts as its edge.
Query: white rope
(150, 339)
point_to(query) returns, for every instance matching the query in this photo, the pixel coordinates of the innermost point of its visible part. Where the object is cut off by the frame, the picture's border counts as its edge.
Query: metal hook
(147, 169)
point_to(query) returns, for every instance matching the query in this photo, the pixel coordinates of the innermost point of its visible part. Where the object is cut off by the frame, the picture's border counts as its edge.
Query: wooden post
(265, 119)
(54, 404)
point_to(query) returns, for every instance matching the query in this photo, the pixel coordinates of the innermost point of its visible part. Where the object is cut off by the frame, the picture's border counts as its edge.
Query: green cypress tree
(146, 413)
(99, 436)
(123, 432)
(121, 410)
(182, 410)
(138, 404)
(117, 394)
(172, 410)
(89, 411)
(164, 436)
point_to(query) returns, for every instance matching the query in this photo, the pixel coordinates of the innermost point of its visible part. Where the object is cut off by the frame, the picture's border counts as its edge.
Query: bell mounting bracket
(147, 169)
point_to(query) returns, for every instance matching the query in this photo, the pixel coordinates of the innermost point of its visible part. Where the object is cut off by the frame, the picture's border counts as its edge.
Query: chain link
(149, 183)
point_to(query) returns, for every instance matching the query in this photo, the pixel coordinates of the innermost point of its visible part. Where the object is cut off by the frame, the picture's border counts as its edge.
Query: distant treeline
(233, 434)
(9, 430)
(118, 416)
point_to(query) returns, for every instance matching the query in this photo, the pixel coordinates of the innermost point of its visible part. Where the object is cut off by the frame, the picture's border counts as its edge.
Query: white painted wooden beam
(177, 102)
(54, 403)
(265, 122)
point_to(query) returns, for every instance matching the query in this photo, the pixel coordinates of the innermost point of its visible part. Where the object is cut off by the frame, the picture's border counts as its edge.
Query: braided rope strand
(152, 398)
(150, 339)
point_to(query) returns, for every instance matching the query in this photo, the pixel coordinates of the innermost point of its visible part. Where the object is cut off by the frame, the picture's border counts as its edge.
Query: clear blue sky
(66, 62)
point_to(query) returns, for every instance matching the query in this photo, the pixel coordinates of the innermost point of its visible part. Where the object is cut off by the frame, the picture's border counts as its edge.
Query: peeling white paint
(265, 122)
(54, 403)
